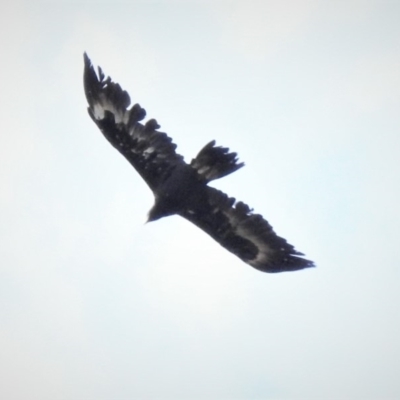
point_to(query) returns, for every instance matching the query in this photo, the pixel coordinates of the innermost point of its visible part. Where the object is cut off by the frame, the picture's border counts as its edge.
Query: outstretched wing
(151, 152)
(249, 236)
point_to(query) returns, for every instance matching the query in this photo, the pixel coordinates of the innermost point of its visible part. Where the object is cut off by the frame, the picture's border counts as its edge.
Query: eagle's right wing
(151, 152)
(249, 236)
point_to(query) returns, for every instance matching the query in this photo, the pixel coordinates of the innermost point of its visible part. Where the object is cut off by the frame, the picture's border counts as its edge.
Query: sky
(97, 305)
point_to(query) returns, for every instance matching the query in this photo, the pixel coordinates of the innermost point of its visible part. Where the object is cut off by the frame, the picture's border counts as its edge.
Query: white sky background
(96, 305)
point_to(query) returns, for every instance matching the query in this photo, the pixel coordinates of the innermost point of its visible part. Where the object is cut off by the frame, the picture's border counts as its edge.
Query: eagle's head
(154, 214)
(161, 209)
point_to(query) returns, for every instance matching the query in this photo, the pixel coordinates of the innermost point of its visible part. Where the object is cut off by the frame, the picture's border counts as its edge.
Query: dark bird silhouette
(181, 188)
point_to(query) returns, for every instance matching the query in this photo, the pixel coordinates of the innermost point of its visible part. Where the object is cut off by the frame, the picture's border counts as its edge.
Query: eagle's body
(181, 188)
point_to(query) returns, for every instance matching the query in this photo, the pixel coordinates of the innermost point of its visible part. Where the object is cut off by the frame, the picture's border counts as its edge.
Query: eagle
(181, 188)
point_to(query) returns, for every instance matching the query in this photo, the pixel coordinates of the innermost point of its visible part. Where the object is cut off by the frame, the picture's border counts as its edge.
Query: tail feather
(214, 162)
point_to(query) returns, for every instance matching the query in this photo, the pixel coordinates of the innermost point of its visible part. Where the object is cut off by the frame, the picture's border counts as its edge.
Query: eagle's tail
(214, 162)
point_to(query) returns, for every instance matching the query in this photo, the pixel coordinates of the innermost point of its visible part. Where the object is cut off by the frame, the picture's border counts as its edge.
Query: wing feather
(249, 236)
(150, 151)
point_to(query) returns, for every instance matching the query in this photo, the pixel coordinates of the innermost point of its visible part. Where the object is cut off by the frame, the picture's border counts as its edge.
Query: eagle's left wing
(151, 152)
(249, 236)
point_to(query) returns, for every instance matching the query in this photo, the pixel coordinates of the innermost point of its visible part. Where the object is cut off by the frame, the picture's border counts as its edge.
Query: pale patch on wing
(103, 104)
(150, 150)
(243, 225)
(264, 250)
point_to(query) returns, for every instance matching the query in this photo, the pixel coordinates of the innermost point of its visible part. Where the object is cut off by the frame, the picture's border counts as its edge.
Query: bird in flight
(180, 188)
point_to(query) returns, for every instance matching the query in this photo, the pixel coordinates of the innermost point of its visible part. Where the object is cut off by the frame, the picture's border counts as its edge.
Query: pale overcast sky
(96, 305)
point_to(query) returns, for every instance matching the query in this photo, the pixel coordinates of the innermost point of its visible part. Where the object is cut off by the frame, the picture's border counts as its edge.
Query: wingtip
(295, 265)
(305, 264)
(311, 264)
(86, 59)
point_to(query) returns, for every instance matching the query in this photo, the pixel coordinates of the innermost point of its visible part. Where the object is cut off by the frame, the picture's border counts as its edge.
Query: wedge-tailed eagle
(181, 188)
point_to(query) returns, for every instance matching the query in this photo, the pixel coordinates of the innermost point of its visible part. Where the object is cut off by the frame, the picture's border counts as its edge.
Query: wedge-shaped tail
(214, 162)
